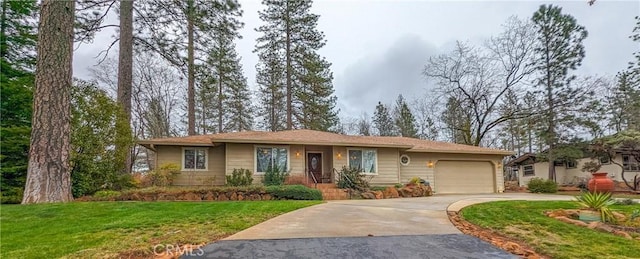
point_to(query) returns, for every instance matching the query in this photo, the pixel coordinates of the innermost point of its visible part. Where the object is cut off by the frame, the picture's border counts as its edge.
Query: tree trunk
(288, 70)
(191, 106)
(125, 76)
(48, 173)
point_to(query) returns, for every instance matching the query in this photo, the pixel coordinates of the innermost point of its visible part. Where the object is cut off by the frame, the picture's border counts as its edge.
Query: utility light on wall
(339, 155)
(297, 153)
(430, 164)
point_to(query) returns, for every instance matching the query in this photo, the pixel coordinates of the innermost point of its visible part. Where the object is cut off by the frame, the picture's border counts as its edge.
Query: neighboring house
(528, 167)
(316, 156)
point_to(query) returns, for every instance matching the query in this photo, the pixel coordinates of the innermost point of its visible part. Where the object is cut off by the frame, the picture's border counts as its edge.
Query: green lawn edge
(106, 229)
(525, 221)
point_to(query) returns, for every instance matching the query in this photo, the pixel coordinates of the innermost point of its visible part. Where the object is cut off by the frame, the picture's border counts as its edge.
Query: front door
(314, 165)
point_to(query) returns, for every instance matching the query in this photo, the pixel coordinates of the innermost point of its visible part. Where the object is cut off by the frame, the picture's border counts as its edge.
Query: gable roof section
(312, 137)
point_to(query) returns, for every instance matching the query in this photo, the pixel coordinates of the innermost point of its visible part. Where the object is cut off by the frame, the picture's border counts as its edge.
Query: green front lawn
(107, 229)
(524, 220)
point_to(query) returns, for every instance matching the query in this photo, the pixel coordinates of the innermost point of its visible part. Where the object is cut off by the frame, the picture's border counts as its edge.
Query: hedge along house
(317, 156)
(528, 166)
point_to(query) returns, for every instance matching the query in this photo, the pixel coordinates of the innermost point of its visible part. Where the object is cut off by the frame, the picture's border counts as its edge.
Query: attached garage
(464, 177)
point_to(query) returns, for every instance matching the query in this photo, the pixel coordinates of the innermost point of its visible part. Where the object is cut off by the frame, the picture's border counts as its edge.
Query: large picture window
(267, 157)
(629, 163)
(366, 160)
(194, 159)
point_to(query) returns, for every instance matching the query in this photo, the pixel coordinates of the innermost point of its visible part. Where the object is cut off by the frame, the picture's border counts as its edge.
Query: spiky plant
(598, 201)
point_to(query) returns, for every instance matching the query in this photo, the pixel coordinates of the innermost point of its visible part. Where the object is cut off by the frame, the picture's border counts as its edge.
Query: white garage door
(464, 177)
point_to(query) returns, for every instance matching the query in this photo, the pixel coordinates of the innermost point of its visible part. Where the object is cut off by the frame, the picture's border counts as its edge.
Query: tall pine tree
(558, 50)
(404, 119)
(383, 122)
(291, 39)
(315, 102)
(223, 93)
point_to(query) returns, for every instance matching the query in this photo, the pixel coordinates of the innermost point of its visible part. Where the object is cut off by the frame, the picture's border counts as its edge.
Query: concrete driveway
(387, 217)
(390, 228)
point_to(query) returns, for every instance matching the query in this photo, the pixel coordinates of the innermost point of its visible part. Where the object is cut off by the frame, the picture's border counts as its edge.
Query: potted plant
(595, 206)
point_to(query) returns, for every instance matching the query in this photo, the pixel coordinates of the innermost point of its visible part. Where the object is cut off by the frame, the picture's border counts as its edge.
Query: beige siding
(572, 176)
(215, 166)
(388, 167)
(418, 167)
(387, 164)
(243, 156)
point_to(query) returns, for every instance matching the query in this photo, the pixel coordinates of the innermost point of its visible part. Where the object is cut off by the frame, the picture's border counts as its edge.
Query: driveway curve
(386, 217)
(391, 228)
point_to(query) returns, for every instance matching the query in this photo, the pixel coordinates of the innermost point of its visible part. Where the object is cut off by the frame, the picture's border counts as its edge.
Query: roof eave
(280, 142)
(161, 143)
(492, 152)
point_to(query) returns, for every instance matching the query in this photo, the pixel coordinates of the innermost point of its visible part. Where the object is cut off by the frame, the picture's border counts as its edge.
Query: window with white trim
(194, 158)
(629, 163)
(366, 160)
(528, 170)
(268, 157)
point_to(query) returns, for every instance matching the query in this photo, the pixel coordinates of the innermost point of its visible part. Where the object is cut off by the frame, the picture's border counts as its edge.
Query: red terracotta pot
(600, 183)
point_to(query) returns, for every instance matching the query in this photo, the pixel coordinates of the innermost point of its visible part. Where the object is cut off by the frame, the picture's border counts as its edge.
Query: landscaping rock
(210, 196)
(390, 192)
(191, 197)
(241, 197)
(600, 226)
(622, 234)
(378, 194)
(571, 221)
(233, 197)
(405, 192)
(222, 197)
(619, 216)
(266, 197)
(368, 195)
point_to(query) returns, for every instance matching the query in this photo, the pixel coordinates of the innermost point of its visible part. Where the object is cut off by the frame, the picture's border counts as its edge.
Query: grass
(108, 229)
(524, 220)
(614, 195)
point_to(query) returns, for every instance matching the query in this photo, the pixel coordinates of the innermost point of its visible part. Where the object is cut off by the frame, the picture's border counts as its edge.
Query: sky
(378, 48)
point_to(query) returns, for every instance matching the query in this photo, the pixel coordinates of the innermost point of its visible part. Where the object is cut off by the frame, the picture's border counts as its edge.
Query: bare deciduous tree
(475, 80)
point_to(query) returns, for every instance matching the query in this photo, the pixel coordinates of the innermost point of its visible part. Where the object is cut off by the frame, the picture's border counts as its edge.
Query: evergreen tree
(173, 28)
(315, 102)
(222, 78)
(558, 50)
(270, 79)
(17, 60)
(383, 122)
(404, 120)
(290, 36)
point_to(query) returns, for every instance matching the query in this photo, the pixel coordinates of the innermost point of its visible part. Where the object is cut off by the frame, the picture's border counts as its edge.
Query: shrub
(239, 177)
(274, 176)
(352, 178)
(12, 195)
(597, 202)
(294, 192)
(106, 195)
(163, 176)
(627, 201)
(538, 185)
(591, 166)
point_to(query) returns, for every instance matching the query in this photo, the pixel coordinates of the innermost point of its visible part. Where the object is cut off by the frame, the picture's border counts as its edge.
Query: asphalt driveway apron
(390, 228)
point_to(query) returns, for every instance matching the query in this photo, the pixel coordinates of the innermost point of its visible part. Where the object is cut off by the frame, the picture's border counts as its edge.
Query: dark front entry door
(314, 165)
